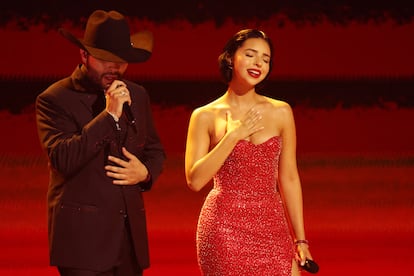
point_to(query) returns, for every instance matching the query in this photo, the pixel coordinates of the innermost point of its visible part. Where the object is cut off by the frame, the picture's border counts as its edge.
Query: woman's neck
(241, 101)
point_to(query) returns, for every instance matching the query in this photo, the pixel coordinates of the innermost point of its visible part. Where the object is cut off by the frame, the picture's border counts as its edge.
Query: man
(103, 150)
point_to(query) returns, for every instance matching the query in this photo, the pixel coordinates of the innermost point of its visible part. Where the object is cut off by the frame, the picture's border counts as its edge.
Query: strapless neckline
(263, 143)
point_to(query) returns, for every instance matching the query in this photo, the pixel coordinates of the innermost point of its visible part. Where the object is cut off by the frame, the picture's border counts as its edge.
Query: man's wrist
(116, 119)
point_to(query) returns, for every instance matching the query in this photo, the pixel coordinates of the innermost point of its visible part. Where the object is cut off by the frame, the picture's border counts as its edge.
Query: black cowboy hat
(107, 37)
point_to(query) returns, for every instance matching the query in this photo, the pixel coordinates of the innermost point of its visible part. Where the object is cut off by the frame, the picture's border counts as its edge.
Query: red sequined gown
(242, 228)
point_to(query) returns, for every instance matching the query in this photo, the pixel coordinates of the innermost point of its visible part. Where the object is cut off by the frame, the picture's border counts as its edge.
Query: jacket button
(123, 213)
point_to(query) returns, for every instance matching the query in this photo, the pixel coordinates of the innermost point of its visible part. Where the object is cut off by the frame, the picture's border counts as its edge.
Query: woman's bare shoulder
(210, 109)
(277, 105)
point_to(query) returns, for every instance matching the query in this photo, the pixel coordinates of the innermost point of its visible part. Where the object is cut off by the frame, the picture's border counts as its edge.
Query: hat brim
(140, 50)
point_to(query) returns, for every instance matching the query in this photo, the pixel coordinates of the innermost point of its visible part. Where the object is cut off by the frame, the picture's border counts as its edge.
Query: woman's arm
(200, 164)
(290, 181)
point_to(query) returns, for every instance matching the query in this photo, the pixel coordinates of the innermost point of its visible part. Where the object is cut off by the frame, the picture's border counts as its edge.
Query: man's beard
(103, 81)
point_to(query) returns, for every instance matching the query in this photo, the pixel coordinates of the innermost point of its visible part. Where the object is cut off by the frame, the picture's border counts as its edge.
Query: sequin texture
(242, 228)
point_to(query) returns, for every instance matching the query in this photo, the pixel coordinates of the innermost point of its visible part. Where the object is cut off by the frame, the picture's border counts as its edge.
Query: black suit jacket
(86, 212)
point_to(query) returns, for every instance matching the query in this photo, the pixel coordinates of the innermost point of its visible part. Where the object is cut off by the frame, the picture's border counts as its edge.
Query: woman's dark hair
(225, 58)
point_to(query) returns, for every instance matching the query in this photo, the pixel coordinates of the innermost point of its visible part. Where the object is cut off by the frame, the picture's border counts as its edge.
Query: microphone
(127, 110)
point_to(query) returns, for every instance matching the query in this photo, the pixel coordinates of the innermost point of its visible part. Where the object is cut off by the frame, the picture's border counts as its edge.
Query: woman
(246, 142)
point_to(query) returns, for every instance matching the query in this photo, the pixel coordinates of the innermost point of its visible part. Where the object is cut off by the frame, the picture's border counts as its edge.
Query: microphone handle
(127, 110)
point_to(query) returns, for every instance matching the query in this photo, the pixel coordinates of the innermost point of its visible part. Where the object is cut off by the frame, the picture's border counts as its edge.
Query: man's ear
(84, 55)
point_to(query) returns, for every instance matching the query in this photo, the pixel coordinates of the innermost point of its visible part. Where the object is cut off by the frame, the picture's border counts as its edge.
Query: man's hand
(116, 95)
(129, 172)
